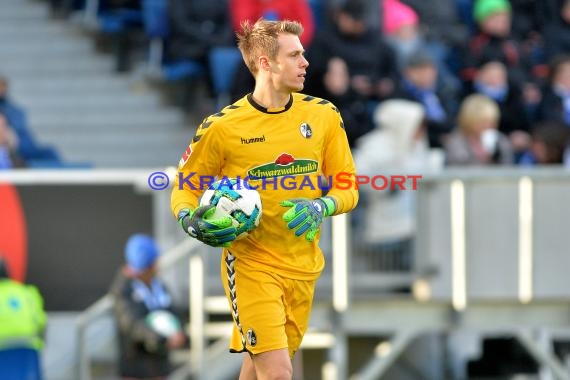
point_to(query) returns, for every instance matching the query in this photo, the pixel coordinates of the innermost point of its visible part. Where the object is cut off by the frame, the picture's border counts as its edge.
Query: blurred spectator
(420, 84)
(8, 144)
(477, 140)
(528, 18)
(495, 42)
(22, 328)
(28, 150)
(397, 145)
(492, 81)
(137, 294)
(401, 27)
(549, 145)
(439, 21)
(196, 26)
(353, 107)
(351, 66)
(296, 10)
(555, 104)
(557, 33)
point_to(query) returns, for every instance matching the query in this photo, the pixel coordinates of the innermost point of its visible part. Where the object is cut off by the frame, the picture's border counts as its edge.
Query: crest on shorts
(306, 130)
(251, 338)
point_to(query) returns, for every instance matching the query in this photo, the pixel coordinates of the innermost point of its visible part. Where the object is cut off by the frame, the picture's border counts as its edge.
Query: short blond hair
(475, 108)
(261, 39)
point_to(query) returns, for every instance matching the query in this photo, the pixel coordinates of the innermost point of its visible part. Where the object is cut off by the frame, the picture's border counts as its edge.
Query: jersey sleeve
(199, 165)
(338, 164)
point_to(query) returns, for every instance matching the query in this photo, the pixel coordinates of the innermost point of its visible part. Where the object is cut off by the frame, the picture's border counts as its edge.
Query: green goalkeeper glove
(306, 215)
(199, 224)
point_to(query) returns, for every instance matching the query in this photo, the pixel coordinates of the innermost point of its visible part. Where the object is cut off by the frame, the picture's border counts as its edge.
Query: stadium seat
(116, 21)
(224, 62)
(20, 364)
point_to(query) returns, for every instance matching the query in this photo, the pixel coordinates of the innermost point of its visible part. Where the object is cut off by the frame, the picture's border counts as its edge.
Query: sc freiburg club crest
(306, 130)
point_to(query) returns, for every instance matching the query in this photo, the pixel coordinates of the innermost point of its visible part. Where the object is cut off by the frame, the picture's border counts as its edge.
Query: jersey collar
(259, 107)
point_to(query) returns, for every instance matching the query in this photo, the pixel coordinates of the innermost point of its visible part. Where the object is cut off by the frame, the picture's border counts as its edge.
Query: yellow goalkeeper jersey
(283, 152)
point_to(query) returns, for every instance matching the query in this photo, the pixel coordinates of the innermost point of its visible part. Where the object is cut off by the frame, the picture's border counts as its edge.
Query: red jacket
(295, 10)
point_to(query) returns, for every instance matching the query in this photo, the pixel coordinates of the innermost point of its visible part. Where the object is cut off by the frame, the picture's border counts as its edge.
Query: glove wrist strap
(330, 205)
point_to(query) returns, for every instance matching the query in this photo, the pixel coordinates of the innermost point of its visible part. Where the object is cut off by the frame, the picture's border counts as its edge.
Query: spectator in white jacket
(397, 146)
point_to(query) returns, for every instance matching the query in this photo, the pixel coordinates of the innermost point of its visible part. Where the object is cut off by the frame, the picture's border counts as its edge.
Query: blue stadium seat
(173, 71)
(155, 18)
(20, 364)
(116, 21)
(224, 62)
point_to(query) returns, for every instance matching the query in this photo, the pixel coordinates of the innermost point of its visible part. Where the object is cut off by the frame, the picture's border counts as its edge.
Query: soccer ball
(163, 322)
(235, 198)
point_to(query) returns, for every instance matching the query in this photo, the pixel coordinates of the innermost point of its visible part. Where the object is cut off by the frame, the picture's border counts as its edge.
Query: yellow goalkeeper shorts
(270, 312)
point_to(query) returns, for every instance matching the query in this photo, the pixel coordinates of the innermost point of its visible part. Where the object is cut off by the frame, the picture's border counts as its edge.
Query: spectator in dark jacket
(492, 81)
(370, 61)
(137, 293)
(420, 84)
(351, 66)
(557, 33)
(495, 42)
(555, 103)
(196, 26)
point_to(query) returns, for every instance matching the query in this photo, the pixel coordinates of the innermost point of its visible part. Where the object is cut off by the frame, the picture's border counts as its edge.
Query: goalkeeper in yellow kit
(283, 142)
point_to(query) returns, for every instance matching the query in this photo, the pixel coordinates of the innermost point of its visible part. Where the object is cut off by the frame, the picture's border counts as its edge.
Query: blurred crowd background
(492, 76)
(421, 85)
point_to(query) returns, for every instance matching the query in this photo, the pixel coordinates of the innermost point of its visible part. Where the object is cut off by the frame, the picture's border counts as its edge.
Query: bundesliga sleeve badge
(185, 157)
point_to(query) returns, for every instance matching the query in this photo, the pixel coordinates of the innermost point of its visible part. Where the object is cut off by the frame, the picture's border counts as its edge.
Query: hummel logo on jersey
(253, 140)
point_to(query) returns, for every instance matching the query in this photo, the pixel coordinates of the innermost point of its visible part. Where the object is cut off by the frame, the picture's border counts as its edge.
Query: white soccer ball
(235, 198)
(163, 322)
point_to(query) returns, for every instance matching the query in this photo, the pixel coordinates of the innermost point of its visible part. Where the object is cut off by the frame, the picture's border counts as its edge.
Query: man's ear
(264, 63)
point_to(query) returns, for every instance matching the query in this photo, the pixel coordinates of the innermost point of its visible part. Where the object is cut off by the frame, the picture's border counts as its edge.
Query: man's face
(493, 74)
(562, 77)
(349, 25)
(290, 66)
(498, 24)
(424, 76)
